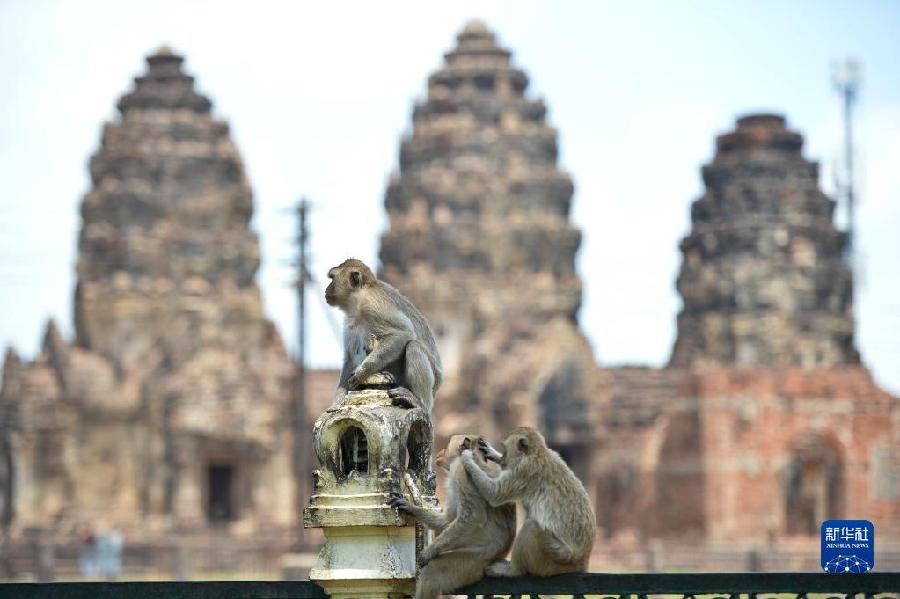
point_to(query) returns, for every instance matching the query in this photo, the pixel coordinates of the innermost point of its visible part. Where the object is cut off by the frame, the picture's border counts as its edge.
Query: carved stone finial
(369, 449)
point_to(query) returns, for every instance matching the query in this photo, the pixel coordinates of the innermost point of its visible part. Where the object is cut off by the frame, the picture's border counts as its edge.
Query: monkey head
(455, 447)
(521, 444)
(459, 443)
(347, 278)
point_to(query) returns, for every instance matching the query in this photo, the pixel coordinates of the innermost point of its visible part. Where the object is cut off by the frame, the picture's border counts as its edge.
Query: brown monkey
(472, 534)
(558, 533)
(383, 331)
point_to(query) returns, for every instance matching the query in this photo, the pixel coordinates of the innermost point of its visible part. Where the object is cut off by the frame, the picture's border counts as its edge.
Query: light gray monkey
(383, 331)
(472, 534)
(558, 532)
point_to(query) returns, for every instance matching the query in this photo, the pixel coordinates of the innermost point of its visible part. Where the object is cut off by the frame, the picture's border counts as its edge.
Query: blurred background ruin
(664, 233)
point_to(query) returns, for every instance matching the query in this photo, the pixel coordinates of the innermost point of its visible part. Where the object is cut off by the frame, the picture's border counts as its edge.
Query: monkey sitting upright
(383, 331)
(472, 534)
(558, 532)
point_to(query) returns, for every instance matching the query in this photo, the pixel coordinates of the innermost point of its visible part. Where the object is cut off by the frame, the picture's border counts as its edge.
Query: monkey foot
(403, 397)
(499, 568)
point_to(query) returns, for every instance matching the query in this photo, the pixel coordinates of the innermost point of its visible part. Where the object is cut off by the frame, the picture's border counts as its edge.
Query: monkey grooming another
(472, 534)
(383, 331)
(558, 532)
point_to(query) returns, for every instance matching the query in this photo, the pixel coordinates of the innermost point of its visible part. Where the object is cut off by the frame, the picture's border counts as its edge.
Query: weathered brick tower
(480, 239)
(168, 410)
(766, 423)
(763, 278)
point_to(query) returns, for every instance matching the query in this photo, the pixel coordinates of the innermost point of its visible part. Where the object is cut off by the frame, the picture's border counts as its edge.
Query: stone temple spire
(479, 227)
(165, 86)
(166, 256)
(763, 279)
(479, 238)
(168, 413)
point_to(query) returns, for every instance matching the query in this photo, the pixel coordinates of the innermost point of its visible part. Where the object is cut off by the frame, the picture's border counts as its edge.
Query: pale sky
(319, 93)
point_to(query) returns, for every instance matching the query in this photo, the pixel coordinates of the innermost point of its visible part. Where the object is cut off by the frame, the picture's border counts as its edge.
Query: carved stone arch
(353, 452)
(416, 446)
(348, 445)
(813, 482)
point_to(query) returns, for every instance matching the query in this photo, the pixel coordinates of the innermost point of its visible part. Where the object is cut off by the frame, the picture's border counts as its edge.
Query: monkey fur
(558, 532)
(383, 331)
(471, 534)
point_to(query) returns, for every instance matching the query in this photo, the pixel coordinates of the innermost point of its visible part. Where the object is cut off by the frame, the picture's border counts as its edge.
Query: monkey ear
(522, 443)
(355, 278)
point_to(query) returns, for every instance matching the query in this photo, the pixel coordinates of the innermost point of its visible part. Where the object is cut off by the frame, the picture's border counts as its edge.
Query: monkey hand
(403, 397)
(398, 501)
(356, 379)
(468, 459)
(489, 452)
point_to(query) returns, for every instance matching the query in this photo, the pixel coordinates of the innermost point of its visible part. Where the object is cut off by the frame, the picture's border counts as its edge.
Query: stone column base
(367, 561)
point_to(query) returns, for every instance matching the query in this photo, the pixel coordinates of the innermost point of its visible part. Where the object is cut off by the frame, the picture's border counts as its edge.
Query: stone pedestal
(367, 561)
(369, 448)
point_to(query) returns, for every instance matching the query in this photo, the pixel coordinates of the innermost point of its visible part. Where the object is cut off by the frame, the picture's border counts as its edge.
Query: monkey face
(453, 450)
(515, 447)
(339, 288)
(457, 445)
(346, 278)
(519, 444)
(331, 292)
(481, 449)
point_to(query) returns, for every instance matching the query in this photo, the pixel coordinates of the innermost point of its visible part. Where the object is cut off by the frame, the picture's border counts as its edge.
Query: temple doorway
(220, 503)
(814, 490)
(565, 419)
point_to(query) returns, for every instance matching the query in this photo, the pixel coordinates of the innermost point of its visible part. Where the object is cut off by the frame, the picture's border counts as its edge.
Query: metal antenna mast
(302, 439)
(847, 76)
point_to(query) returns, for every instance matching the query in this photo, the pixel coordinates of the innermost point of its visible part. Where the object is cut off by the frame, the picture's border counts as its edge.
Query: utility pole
(847, 77)
(302, 432)
(7, 488)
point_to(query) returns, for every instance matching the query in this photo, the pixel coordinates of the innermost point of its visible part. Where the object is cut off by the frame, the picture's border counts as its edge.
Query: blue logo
(848, 546)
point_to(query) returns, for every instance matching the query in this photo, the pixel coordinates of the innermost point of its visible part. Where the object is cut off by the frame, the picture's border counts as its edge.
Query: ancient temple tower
(763, 279)
(169, 408)
(479, 238)
(767, 424)
(166, 257)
